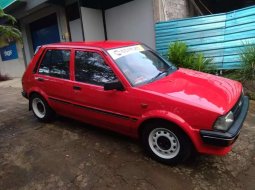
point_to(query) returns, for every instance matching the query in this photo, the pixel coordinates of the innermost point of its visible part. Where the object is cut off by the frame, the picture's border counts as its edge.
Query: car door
(53, 79)
(110, 109)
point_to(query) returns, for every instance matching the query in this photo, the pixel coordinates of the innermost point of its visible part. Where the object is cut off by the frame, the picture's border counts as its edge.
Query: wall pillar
(165, 10)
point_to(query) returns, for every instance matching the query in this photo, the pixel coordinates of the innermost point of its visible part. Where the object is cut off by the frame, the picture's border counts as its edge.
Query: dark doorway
(45, 31)
(222, 6)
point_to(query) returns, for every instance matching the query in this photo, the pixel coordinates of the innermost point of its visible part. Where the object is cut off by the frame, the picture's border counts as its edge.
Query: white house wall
(92, 24)
(15, 67)
(76, 30)
(131, 21)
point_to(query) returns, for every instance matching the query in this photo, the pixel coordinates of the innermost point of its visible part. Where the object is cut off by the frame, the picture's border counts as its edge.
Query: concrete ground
(15, 83)
(71, 155)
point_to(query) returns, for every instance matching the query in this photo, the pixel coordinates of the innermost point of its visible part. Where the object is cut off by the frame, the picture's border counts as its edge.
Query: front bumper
(224, 139)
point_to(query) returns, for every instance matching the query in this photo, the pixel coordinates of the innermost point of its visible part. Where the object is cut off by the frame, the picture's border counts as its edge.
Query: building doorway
(45, 31)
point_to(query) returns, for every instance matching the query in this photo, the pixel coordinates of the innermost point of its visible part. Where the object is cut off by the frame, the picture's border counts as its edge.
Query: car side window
(56, 64)
(91, 68)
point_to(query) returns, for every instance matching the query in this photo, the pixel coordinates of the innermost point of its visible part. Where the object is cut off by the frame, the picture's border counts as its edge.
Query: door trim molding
(95, 110)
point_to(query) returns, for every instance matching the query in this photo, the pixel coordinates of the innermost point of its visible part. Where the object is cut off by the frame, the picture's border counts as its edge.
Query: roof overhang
(102, 4)
(7, 5)
(95, 4)
(222, 6)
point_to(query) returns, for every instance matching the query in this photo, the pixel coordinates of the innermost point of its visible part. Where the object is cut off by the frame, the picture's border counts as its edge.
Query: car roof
(95, 44)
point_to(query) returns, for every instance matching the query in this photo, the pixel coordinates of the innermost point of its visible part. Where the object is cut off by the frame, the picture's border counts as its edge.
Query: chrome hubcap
(164, 143)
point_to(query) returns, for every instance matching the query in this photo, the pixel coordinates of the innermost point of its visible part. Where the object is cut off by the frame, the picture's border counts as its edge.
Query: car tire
(166, 143)
(42, 111)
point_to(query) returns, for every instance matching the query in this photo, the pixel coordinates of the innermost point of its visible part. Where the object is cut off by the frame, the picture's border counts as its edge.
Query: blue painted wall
(220, 36)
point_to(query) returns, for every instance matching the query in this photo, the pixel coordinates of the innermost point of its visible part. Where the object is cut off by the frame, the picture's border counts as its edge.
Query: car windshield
(140, 64)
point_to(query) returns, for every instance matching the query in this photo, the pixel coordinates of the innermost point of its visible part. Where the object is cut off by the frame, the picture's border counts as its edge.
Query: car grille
(237, 107)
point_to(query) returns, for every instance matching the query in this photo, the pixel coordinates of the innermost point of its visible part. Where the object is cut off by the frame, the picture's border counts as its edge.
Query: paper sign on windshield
(120, 52)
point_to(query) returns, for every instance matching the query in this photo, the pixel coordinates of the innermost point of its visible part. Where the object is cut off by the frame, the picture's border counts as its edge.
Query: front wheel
(166, 143)
(41, 109)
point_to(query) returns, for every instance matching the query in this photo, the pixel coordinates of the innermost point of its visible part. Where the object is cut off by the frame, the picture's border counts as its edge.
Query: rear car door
(53, 79)
(110, 109)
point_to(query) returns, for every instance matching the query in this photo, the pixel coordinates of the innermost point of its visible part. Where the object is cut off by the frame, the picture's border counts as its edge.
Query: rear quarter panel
(27, 78)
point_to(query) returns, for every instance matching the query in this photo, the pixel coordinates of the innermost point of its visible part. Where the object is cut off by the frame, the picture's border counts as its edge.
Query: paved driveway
(71, 155)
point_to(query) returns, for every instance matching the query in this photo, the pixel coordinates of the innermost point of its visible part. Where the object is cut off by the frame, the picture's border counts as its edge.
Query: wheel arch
(180, 124)
(40, 93)
(157, 119)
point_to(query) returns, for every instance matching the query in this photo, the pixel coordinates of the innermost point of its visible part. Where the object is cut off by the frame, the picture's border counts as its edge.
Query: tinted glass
(91, 68)
(45, 64)
(56, 63)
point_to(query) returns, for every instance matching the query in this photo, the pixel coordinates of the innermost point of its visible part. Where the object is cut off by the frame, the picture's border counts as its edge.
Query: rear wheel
(166, 143)
(41, 109)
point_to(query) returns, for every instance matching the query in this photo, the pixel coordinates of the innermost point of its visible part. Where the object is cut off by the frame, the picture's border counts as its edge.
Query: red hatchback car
(128, 88)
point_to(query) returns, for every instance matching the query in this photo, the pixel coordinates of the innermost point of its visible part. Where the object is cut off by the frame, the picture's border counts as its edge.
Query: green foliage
(8, 32)
(232, 74)
(246, 74)
(247, 57)
(201, 63)
(251, 95)
(178, 54)
(8, 17)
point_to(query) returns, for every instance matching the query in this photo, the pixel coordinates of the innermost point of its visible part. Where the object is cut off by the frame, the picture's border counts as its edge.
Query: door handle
(40, 79)
(76, 88)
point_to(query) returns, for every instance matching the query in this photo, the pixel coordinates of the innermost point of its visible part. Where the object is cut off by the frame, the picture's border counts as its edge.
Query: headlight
(224, 122)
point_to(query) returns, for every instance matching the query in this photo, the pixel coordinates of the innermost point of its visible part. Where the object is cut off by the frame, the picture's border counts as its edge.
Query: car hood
(207, 91)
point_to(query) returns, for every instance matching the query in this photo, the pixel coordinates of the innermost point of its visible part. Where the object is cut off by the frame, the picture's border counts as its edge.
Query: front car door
(110, 109)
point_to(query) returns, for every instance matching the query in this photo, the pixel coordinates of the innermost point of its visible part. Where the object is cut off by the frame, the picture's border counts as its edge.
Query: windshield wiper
(159, 74)
(167, 71)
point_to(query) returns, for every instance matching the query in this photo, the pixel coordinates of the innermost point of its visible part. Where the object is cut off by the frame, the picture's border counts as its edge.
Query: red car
(128, 88)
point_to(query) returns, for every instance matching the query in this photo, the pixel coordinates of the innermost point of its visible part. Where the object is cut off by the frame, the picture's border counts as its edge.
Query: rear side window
(91, 68)
(55, 63)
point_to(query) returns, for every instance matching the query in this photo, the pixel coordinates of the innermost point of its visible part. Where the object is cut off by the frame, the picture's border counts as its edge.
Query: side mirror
(115, 85)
